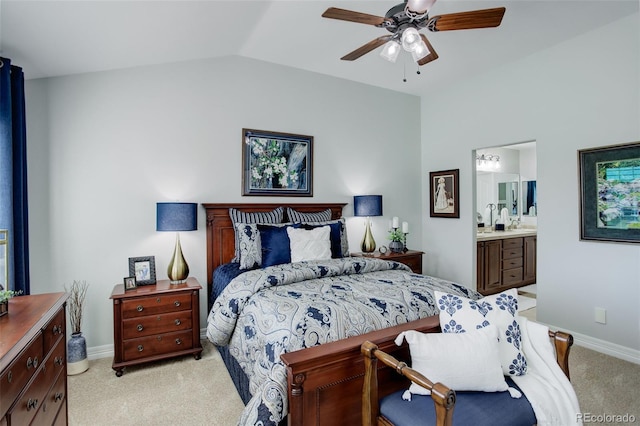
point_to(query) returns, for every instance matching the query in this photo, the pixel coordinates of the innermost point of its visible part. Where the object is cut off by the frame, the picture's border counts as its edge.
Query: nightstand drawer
(157, 345)
(161, 303)
(413, 262)
(155, 324)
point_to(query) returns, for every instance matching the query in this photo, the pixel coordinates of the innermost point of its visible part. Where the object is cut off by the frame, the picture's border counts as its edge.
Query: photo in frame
(444, 194)
(130, 283)
(276, 164)
(143, 269)
(610, 193)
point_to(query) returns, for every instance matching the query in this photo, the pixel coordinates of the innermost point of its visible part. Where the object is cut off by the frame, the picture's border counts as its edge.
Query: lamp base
(178, 270)
(368, 244)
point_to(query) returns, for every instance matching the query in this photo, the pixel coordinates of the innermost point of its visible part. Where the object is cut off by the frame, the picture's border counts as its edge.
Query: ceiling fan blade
(348, 15)
(432, 56)
(485, 18)
(366, 48)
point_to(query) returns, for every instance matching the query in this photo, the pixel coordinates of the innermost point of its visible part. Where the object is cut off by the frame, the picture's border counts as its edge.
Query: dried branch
(76, 303)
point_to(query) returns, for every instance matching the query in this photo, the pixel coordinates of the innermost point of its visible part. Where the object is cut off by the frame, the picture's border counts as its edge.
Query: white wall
(580, 94)
(105, 147)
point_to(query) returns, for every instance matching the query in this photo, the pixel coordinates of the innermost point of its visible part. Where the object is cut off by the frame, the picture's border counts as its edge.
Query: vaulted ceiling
(52, 38)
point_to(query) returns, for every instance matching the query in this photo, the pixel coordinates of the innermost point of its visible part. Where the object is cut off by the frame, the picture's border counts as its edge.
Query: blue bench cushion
(472, 408)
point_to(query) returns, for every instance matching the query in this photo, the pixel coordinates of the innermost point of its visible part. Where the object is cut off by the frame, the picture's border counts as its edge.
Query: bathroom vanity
(506, 259)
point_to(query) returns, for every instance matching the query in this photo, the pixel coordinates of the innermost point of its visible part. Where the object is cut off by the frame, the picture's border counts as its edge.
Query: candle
(405, 227)
(395, 221)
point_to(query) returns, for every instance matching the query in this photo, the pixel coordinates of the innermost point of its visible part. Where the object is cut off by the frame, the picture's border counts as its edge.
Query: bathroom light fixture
(487, 162)
(177, 217)
(367, 205)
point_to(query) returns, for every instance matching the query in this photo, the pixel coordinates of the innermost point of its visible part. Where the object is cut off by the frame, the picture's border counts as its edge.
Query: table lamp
(177, 217)
(367, 205)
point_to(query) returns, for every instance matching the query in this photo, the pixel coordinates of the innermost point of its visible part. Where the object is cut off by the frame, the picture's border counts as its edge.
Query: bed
(290, 345)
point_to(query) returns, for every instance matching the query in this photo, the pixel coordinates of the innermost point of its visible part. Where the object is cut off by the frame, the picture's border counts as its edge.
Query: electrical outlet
(601, 315)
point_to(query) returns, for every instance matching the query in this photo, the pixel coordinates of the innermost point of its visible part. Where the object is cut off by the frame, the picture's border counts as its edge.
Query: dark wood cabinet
(411, 258)
(155, 322)
(505, 263)
(33, 361)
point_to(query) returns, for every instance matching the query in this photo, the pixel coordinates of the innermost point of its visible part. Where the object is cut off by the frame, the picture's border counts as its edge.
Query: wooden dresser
(154, 322)
(33, 361)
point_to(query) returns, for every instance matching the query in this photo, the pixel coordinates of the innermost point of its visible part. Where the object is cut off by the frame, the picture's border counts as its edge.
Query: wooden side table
(411, 258)
(154, 322)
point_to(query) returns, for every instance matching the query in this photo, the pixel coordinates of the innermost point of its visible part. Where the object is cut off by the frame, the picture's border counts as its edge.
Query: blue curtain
(13, 174)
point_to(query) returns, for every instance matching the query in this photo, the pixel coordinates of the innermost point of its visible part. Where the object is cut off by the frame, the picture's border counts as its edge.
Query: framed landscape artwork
(444, 194)
(276, 164)
(610, 193)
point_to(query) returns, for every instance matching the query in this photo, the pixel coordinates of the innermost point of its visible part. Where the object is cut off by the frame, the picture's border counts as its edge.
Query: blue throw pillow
(276, 248)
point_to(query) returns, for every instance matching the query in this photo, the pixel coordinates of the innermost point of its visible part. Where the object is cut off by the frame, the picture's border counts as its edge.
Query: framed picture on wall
(444, 194)
(143, 269)
(276, 164)
(610, 193)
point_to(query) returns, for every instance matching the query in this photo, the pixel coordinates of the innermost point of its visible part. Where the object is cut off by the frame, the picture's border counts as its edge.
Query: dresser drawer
(55, 362)
(157, 345)
(156, 324)
(512, 276)
(161, 303)
(19, 372)
(515, 262)
(27, 406)
(54, 331)
(51, 404)
(509, 243)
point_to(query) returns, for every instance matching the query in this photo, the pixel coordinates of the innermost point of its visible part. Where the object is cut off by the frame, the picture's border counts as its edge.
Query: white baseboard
(607, 348)
(106, 351)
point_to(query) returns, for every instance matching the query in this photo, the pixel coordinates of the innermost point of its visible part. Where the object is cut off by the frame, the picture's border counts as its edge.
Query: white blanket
(548, 390)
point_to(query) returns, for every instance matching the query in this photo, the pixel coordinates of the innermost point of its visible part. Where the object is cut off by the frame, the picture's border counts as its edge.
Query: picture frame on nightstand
(143, 269)
(130, 283)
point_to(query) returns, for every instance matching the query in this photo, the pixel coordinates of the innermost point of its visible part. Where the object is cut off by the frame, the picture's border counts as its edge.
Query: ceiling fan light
(410, 39)
(390, 51)
(420, 51)
(419, 6)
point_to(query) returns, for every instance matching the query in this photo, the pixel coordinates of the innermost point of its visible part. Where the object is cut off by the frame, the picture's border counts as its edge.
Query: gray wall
(105, 147)
(580, 94)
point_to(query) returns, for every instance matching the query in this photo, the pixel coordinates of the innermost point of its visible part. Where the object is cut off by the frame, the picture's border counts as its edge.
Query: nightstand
(155, 322)
(411, 258)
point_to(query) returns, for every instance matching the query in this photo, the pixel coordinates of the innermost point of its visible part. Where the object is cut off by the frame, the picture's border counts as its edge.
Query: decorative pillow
(276, 248)
(237, 216)
(459, 315)
(338, 236)
(249, 246)
(310, 244)
(463, 362)
(296, 216)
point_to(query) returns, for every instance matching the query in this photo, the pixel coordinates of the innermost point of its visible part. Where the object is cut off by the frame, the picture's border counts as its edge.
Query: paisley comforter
(266, 312)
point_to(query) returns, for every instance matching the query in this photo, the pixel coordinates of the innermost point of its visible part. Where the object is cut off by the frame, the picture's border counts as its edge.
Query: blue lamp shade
(367, 205)
(177, 217)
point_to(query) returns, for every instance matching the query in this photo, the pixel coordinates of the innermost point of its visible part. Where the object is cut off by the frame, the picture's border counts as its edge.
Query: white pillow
(312, 244)
(463, 362)
(459, 315)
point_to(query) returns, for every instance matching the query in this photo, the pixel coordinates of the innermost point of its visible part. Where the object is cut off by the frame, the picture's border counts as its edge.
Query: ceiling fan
(404, 21)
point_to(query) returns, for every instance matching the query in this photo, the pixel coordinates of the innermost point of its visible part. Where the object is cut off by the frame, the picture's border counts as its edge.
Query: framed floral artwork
(444, 194)
(276, 164)
(610, 193)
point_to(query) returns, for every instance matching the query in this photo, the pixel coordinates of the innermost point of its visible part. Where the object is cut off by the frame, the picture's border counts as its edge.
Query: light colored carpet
(189, 392)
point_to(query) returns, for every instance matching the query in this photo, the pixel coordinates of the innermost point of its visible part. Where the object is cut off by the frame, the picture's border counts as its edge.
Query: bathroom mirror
(508, 197)
(495, 191)
(529, 198)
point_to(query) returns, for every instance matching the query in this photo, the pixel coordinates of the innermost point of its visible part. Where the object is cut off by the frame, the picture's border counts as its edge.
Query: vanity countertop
(500, 235)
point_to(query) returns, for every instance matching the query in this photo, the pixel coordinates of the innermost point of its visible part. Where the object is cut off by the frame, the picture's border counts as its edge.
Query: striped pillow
(297, 217)
(237, 216)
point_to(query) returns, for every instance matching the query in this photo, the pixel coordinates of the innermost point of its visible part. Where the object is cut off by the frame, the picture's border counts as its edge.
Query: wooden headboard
(220, 235)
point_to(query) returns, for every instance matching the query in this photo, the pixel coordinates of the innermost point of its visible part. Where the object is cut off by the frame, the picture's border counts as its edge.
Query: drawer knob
(178, 342)
(58, 360)
(140, 308)
(58, 396)
(32, 363)
(10, 376)
(140, 348)
(55, 330)
(177, 303)
(140, 327)
(178, 322)
(32, 403)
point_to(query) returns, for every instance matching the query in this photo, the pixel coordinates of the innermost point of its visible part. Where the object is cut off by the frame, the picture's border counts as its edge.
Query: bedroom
(103, 149)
